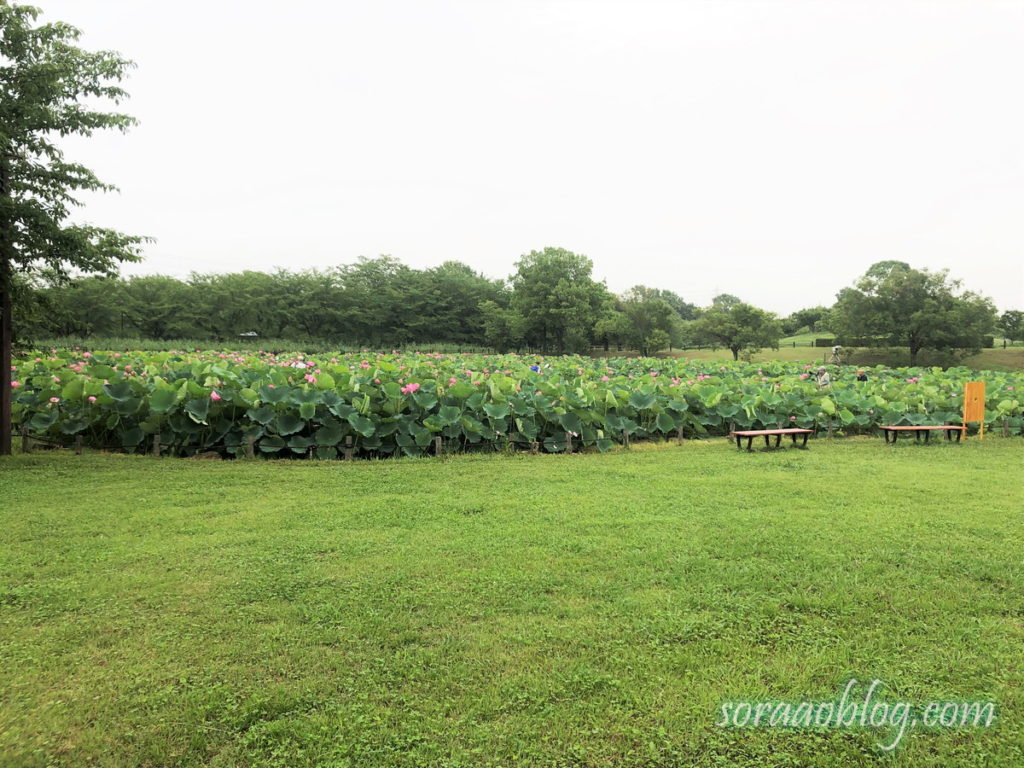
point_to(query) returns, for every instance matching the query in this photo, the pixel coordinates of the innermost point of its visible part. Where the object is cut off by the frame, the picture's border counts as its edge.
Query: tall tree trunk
(6, 314)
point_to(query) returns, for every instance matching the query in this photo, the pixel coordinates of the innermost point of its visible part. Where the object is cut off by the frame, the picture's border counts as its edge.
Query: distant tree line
(550, 304)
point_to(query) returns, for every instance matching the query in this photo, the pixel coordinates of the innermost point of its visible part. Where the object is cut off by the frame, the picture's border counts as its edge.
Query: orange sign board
(974, 403)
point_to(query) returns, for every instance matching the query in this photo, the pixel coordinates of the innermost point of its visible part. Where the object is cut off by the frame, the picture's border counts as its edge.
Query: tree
(556, 300)
(47, 88)
(1011, 323)
(913, 308)
(650, 319)
(737, 326)
(805, 318)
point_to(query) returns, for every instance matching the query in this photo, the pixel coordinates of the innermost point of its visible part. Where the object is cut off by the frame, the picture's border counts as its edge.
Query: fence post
(156, 445)
(568, 442)
(625, 439)
(78, 445)
(25, 448)
(348, 447)
(1006, 427)
(438, 446)
(679, 434)
(250, 447)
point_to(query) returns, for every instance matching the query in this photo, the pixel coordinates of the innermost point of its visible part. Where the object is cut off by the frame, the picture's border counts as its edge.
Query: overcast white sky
(773, 150)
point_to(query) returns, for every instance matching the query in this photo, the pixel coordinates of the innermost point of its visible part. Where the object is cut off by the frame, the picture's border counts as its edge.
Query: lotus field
(395, 404)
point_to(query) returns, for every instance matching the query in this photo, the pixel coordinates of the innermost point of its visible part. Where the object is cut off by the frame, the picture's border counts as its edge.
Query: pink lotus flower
(214, 396)
(54, 399)
(15, 383)
(451, 380)
(376, 381)
(792, 418)
(604, 378)
(92, 398)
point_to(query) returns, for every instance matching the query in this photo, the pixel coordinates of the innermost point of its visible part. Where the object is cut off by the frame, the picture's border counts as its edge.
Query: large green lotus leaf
(262, 415)
(248, 397)
(642, 400)
(42, 421)
(362, 425)
(496, 410)
(425, 400)
(421, 435)
(554, 444)
(128, 407)
(271, 443)
(198, 409)
(326, 452)
(274, 394)
(329, 436)
(300, 443)
(74, 426)
(119, 390)
(665, 423)
(341, 410)
(324, 381)
(570, 422)
(289, 424)
(307, 410)
(132, 437)
(102, 372)
(306, 396)
(449, 415)
(162, 400)
(73, 389)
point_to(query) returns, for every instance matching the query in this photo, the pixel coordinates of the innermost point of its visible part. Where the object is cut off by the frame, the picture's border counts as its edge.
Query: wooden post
(78, 445)
(309, 453)
(250, 447)
(348, 448)
(156, 445)
(625, 439)
(1006, 427)
(679, 434)
(568, 442)
(830, 427)
(25, 447)
(438, 446)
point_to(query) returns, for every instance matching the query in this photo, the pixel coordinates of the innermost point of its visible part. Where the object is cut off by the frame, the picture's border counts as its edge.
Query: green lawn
(494, 611)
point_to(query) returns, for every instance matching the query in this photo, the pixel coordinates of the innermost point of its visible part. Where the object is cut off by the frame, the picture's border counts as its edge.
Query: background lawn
(586, 610)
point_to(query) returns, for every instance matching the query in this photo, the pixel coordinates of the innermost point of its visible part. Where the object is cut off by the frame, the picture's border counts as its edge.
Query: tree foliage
(48, 89)
(913, 308)
(737, 326)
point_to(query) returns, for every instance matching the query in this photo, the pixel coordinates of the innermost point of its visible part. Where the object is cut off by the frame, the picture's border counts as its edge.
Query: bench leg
(767, 441)
(959, 434)
(804, 444)
(927, 435)
(738, 446)
(778, 439)
(749, 441)
(917, 436)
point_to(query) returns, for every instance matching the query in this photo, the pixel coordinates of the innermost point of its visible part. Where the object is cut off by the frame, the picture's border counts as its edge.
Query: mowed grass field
(585, 610)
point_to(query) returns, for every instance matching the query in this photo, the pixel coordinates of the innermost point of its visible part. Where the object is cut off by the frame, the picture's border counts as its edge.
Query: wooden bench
(750, 434)
(949, 429)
